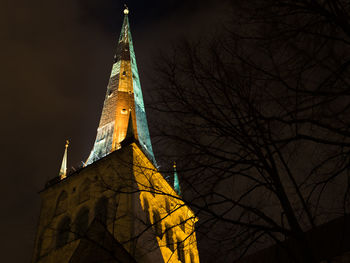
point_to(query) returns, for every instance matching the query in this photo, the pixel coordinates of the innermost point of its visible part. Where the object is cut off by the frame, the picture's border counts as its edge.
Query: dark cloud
(56, 57)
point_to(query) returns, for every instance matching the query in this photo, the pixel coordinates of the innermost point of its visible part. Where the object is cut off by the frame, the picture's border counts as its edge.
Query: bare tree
(259, 118)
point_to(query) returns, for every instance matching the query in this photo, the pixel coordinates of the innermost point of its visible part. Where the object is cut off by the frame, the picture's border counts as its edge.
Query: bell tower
(118, 207)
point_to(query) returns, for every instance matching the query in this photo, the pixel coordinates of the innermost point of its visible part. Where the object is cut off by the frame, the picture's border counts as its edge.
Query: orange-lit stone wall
(128, 180)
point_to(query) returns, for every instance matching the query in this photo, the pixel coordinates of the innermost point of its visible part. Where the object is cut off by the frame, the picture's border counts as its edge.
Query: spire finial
(63, 170)
(126, 9)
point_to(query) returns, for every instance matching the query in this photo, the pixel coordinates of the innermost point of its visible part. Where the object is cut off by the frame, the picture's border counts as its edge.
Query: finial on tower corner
(63, 170)
(177, 187)
(126, 10)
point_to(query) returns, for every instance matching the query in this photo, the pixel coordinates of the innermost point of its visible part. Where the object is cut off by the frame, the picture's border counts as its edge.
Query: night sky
(56, 58)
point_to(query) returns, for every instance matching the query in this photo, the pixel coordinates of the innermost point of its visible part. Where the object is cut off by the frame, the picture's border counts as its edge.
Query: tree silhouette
(258, 118)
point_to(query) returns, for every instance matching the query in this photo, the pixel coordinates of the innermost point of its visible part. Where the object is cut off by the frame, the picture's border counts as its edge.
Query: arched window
(101, 210)
(81, 222)
(169, 238)
(146, 210)
(180, 251)
(84, 191)
(191, 257)
(63, 231)
(62, 203)
(157, 225)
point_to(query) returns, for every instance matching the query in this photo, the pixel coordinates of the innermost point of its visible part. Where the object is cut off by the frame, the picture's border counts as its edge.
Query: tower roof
(123, 111)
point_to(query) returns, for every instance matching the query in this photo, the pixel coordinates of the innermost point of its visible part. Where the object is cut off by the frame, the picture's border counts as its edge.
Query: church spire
(63, 170)
(123, 105)
(176, 181)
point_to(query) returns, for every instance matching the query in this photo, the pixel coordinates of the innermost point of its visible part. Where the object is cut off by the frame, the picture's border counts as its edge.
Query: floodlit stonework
(123, 101)
(141, 211)
(118, 208)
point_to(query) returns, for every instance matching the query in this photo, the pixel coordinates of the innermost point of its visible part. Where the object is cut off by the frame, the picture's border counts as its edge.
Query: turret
(177, 187)
(63, 170)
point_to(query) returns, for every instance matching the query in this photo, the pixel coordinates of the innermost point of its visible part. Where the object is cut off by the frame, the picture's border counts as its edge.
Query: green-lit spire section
(176, 181)
(123, 105)
(63, 170)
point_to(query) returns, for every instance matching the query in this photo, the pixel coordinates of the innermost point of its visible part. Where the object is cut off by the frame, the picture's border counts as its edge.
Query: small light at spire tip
(126, 10)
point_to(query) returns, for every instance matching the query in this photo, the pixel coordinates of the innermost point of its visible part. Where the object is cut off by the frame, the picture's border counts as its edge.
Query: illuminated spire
(123, 107)
(63, 170)
(176, 181)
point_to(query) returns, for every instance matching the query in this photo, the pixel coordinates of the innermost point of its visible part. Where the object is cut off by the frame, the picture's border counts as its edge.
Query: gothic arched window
(84, 191)
(63, 230)
(169, 238)
(146, 210)
(191, 257)
(180, 251)
(101, 210)
(157, 225)
(62, 203)
(82, 222)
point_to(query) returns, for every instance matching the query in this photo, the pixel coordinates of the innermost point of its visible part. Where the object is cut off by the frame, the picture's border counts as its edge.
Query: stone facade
(141, 215)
